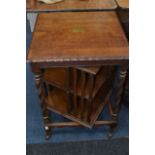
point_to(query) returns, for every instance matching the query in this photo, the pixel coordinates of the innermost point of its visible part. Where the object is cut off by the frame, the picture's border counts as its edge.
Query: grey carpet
(99, 147)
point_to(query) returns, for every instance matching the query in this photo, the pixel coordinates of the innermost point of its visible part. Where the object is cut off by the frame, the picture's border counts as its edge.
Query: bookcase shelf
(58, 102)
(58, 77)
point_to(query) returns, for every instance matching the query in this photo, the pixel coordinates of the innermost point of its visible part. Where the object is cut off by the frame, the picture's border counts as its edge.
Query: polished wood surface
(86, 36)
(124, 4)
(57, 77)
(67, 54)
(72, 5)
(90, 91)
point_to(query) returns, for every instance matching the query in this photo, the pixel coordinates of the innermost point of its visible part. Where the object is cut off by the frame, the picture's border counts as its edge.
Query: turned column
(119, 87)
(42, 96)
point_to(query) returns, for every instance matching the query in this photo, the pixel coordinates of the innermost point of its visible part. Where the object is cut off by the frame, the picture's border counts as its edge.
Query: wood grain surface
(78, 36)
(57, 102)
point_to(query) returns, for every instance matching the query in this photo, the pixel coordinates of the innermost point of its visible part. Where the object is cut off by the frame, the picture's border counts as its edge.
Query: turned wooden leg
(42, 97)
(119, 88)
(114, 118)
(125, 97)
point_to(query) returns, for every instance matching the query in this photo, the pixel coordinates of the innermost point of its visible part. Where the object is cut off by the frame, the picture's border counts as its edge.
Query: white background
(13, 77)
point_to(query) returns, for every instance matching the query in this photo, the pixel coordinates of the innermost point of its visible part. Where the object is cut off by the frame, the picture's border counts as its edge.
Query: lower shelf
(58, 103)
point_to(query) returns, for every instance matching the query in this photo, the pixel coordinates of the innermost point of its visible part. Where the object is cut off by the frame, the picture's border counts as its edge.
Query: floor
(98, 147)
(34, 124)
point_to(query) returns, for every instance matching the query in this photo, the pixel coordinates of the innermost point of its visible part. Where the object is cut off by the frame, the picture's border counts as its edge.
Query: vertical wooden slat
(74, 81)
(83, 84)
(69, 95)
(90, 102)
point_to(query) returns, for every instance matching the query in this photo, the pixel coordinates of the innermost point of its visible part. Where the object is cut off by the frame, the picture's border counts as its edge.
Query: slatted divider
(68, 81)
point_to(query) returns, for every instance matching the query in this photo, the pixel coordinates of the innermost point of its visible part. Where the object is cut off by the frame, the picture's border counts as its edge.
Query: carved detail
(68, 59)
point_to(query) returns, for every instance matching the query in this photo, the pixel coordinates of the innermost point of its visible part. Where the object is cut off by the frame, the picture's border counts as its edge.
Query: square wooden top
(73, 5)
(78, 36)
(124, 4)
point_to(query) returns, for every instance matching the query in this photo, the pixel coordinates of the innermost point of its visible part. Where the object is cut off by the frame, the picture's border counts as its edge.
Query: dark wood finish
(42, 96)
(78, 37)
(72, 5)
(57, 102)
(82, 103)
(91, 94)
(58, 77)
(75, 98)
(69, 82)
(85, 112)
(79, 40)
(119, 87)
(123, 14)
(125, 97)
